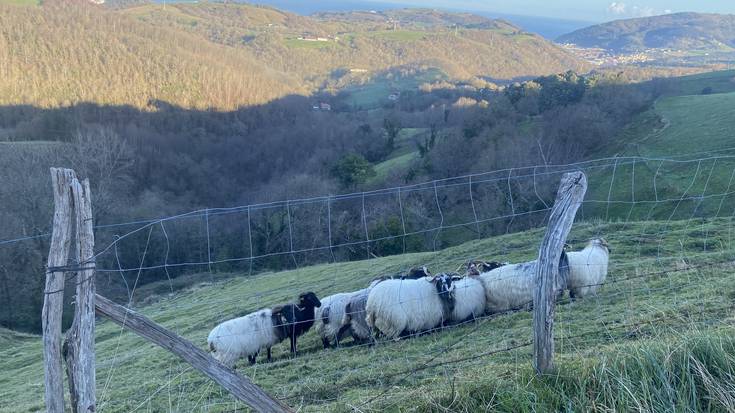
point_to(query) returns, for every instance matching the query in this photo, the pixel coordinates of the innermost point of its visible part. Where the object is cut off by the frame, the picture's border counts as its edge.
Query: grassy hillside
(667, 305)
(679, 31)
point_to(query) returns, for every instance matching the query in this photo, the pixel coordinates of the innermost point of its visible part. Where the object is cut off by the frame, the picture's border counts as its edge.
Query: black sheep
(293, 320)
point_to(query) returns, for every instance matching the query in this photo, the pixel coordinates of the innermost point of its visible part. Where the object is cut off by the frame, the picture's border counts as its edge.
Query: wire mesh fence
(668, 221)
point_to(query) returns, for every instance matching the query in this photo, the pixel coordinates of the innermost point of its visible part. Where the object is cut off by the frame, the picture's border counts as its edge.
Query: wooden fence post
(79, 344)
(54, 291)
(568, 199)
(240, 386)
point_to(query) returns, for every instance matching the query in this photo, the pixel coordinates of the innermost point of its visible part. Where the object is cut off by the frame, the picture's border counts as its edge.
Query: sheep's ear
(604, 243)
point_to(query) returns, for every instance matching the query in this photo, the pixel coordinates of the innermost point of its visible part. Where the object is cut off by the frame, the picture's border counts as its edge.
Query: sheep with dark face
(243, 336)
(293, 320)
(331, 325)
(397, 307)
(469, 297)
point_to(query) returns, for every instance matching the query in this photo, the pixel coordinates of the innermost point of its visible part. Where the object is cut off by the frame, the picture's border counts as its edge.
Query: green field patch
(717, 82)
(152, 11)
(398, 35)
(21, 2)
(405, 140)
(308, 44)
(691, 124)
(384, 168)
(375, 93)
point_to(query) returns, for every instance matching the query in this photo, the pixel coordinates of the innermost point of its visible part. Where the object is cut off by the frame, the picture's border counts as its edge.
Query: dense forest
(166, 116)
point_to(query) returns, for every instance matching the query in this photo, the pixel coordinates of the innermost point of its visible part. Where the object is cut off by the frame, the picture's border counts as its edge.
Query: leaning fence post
(571, 193)
(79, 344)
(54, 291)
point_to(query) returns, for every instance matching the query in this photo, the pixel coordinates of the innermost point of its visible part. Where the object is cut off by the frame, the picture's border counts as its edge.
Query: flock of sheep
(401, 305)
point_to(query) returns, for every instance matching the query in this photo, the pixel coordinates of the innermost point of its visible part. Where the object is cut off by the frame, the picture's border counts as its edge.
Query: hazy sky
(592, 10)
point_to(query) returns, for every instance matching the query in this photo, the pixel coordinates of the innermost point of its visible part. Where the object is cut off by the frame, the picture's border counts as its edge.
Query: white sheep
(469, 298)
(243, 336)
(355, 314)
(396, 307)
(509, 287)
(512, 286)
(328, 324)
(588, 268)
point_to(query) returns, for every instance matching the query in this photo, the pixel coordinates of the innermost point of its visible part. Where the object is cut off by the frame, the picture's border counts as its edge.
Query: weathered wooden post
(239, 386)
(79, 344)
(53, 299)
(568, 199)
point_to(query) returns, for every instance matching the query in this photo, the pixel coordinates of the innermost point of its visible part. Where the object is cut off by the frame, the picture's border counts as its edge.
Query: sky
(587, 10)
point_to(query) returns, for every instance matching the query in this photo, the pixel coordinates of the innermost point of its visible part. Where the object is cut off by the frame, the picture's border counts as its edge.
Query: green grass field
(384, 168)
(306, 44)
(402, 156)
(375, 93)
(21, 2)
(398, 35)
(719, 82)
(686, 126)
(694, 123)
(657, 314)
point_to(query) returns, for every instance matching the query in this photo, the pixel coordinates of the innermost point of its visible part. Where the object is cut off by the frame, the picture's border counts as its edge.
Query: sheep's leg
(376, 335)
(325, 342)
(251, 359)
(269, 354)
(342, 330)
(293, 345)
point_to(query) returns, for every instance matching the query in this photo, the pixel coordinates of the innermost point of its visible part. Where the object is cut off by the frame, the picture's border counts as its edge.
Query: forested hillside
(329, 46)
(63, 53)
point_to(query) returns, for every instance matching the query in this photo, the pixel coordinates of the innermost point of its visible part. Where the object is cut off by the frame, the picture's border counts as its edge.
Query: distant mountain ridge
(421, 18)
(679, 31)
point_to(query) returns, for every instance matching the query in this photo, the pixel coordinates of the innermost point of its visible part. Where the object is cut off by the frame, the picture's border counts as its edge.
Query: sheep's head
(477, 267)
(600, 242)
(309, 300)
(416, 273)
(445, 289)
